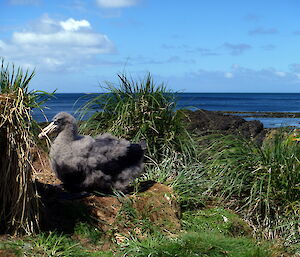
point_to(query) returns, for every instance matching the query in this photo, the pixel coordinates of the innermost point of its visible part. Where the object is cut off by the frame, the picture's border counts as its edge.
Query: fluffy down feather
(84, 163)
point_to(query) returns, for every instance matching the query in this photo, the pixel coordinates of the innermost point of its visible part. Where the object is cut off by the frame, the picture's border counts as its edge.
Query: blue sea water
(246, 102)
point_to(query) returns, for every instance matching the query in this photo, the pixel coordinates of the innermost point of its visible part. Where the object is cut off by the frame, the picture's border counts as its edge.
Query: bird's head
(59, 122)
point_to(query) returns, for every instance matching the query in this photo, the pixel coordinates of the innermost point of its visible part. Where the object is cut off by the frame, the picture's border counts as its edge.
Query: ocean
(237, 102)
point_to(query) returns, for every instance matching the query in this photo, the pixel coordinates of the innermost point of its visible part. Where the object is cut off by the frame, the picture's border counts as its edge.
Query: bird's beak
(48, 130)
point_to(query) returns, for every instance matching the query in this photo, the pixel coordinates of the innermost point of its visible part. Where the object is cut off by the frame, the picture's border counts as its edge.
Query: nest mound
(118, 217)
(157, 205)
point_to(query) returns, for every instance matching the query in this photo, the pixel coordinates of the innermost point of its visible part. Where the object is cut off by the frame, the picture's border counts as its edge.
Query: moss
(216, 220)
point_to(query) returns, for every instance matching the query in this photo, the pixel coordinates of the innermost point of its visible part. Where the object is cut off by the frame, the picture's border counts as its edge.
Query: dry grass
(19, 204)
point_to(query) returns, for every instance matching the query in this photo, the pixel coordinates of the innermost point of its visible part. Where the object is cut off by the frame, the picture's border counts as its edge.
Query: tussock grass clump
(139, 110)
(261, 182)
(18, 199)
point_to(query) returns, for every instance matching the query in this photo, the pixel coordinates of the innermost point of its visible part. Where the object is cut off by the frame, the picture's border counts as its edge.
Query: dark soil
(7, 253)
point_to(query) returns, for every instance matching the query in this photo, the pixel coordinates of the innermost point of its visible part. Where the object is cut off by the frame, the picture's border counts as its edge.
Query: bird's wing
(82, 146)
(110, 146)
(112, 155)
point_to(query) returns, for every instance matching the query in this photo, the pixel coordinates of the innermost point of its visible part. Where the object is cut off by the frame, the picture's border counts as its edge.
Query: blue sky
(191, 46)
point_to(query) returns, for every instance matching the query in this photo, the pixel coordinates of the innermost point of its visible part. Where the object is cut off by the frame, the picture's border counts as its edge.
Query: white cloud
(228, 75)
(243, 80)
(64, 39)
(280, 73)
(56, 45)
(116, 3)
(73, 25)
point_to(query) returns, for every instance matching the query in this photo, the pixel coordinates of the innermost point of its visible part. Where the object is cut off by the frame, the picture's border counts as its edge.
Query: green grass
(186, 177)
(139, 111)
(50, 244)
(207, 233)
(262, 182)
(216, 220)
(88, 231)
(196, 244)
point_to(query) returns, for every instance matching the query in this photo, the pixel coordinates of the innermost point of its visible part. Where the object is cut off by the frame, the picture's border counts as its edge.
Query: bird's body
(84, 163)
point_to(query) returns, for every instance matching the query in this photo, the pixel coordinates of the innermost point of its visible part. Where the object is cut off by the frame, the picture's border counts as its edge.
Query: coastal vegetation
(140, 111)
(234, 197)
(261, 182)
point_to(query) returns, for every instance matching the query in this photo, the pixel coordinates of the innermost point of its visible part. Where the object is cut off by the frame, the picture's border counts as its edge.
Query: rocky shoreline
(203, 122)
(264, 114)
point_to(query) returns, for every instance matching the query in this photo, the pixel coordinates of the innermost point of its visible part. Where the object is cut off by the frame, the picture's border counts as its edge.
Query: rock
(202, 122)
